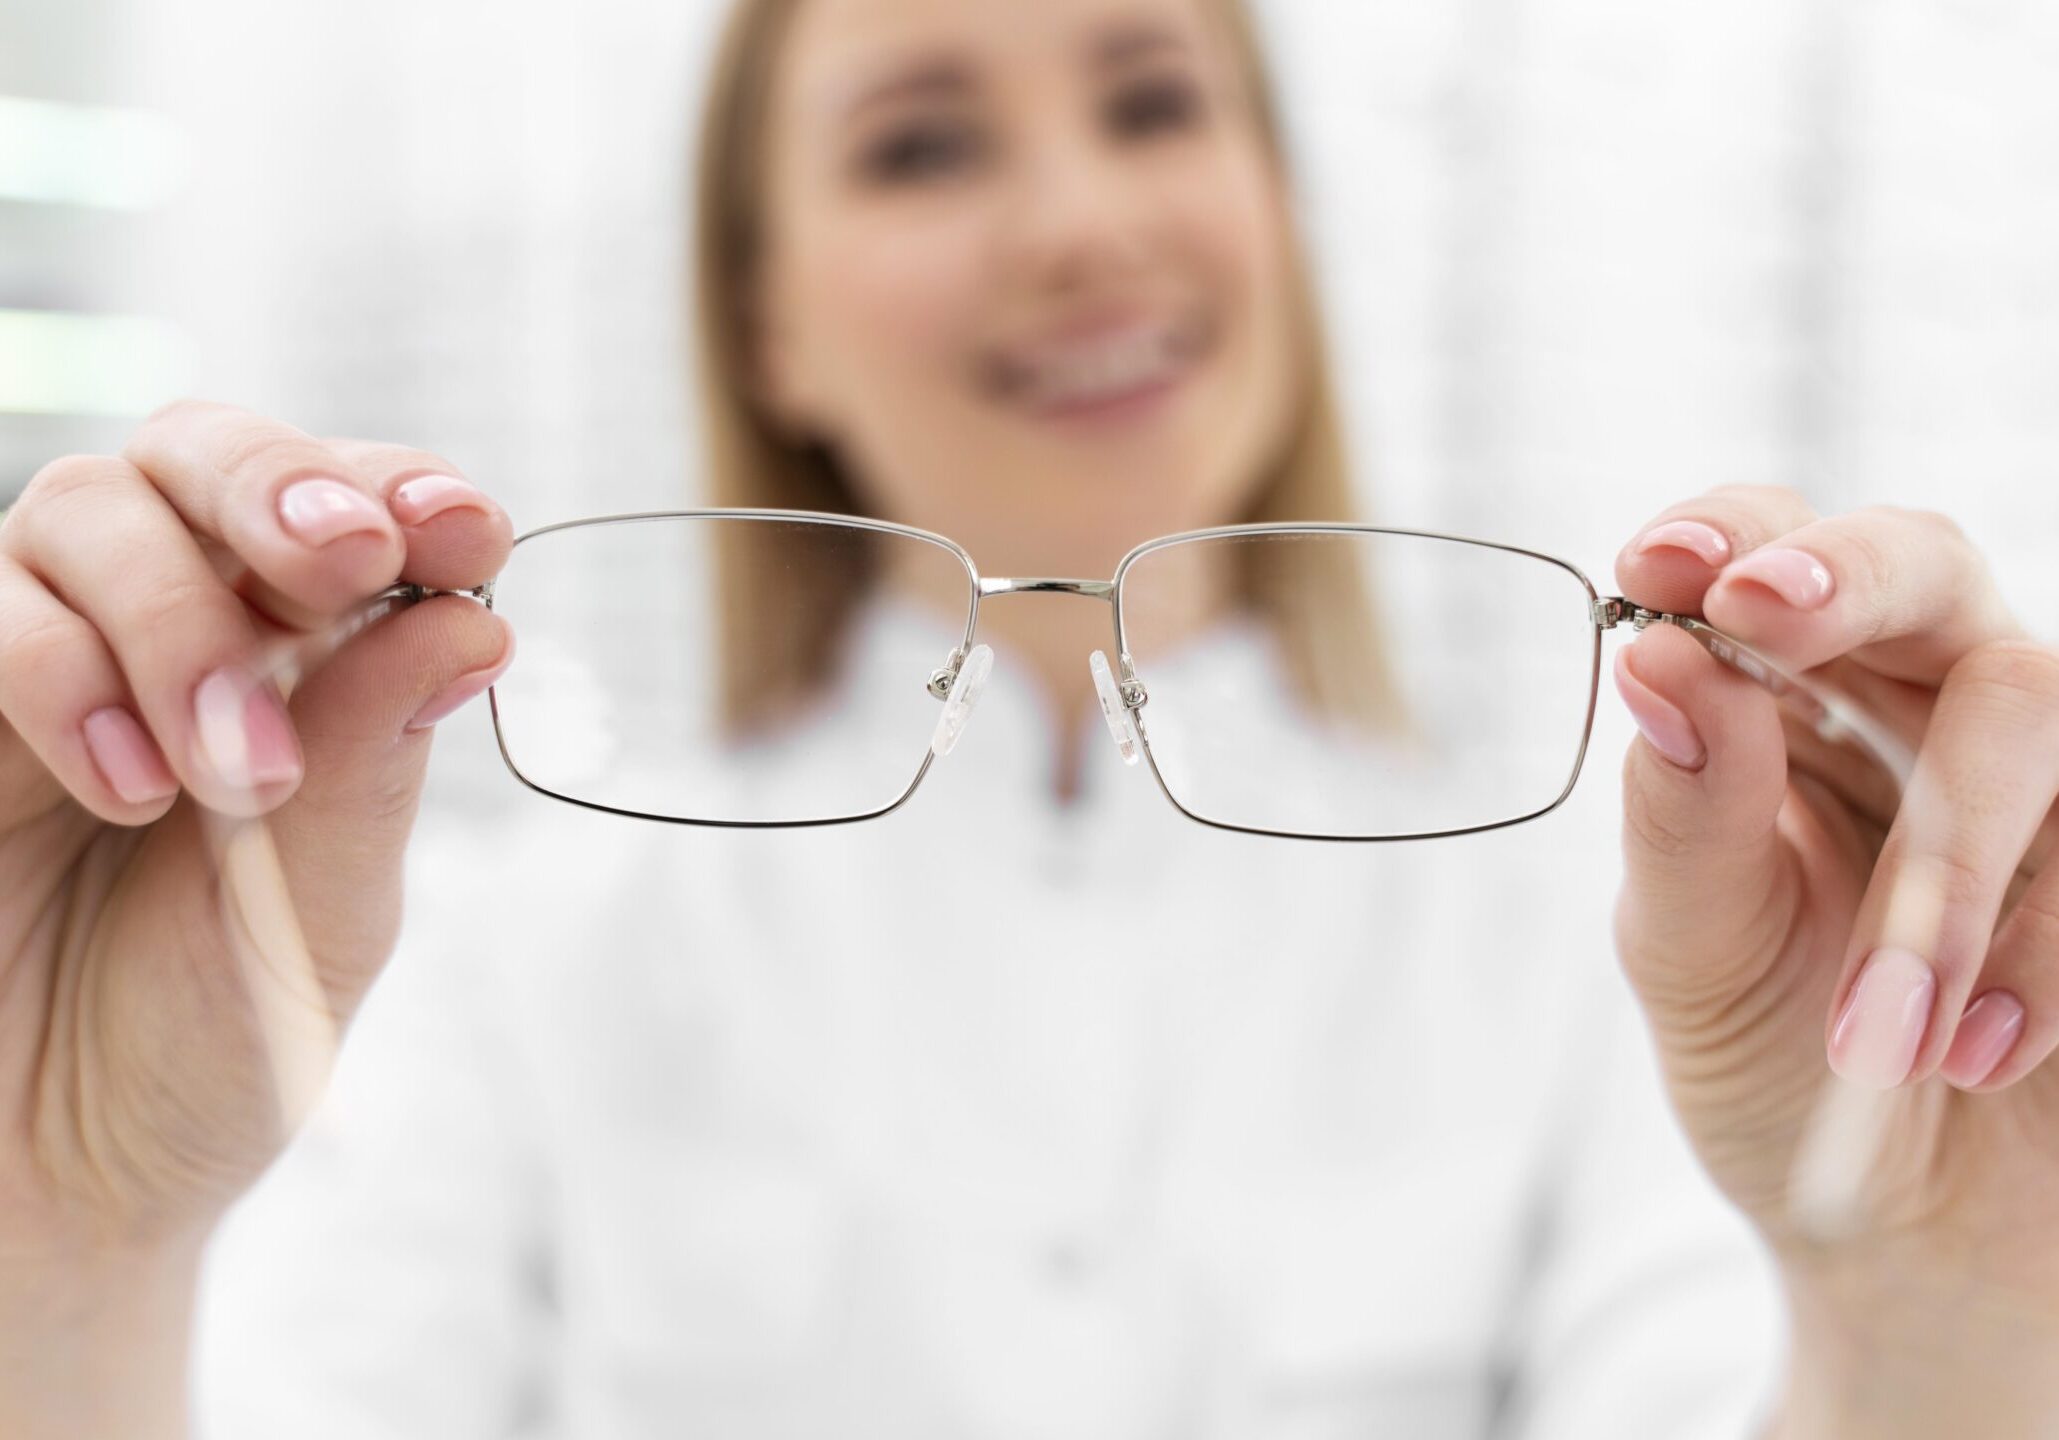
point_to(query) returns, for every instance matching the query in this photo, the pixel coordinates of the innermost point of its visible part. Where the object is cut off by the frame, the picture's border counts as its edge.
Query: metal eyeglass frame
(1833, 716)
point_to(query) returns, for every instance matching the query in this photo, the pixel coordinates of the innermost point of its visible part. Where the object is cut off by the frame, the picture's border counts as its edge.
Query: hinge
(1609, 611)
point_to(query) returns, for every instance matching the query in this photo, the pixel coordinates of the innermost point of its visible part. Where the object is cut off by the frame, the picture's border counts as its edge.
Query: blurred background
(1582, 258)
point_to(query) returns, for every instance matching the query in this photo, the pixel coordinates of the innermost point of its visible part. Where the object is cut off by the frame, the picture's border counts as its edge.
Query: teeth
(1106, 369)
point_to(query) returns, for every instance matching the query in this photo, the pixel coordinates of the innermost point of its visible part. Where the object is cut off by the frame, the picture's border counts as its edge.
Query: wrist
(1886, 1357)
(96, 1344)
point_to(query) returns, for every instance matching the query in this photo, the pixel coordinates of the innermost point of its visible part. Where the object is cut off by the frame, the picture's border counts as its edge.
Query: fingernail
(1795, 576)
(127, 757)
(460, 691)
(1705, 542)
(1987, 1033)
(1659, 720)
(316, 512)
(426, 496)
(245, 736)
(1876, 1037)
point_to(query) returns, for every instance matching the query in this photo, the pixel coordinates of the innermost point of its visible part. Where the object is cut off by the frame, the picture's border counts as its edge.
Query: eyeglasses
(778, 668)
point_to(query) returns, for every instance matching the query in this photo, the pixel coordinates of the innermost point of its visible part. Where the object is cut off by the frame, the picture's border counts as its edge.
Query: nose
(1077, 214)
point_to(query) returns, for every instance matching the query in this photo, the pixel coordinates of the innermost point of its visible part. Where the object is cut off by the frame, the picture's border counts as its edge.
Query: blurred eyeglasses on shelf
(777, 668)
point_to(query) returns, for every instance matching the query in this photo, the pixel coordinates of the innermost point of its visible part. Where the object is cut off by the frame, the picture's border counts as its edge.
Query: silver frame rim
(1111, 591)
(1274, 527)
(729, 513)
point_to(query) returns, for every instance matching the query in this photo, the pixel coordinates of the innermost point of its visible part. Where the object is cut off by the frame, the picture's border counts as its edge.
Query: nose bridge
(1070, 196)
(1006, 585)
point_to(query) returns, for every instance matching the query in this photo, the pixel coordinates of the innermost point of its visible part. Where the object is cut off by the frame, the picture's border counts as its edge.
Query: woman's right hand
(136, 1095)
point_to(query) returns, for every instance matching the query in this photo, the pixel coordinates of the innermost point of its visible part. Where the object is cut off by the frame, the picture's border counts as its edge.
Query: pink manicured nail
(1987, 1033)
(427, 496)
(1795, 576)
(460, 691)
(245, 736)
(127, 756)
(318, 511)
(1661, 722)
(1876, 1038)
(1705, 542)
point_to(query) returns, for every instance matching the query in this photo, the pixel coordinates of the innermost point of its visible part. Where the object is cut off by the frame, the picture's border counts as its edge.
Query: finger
(1673, 560)
(457, 536)
(2011, 1025)
(64, 696)
(365, 720)
(1700, 916)
(1902, 591)
(108, 545)
(1900, 709)
(314, 537)
(1983, 785)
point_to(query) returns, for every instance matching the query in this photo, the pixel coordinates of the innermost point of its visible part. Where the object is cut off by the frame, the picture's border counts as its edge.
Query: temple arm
(1835, 717)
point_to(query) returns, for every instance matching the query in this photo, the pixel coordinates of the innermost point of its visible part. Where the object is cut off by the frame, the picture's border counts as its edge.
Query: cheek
(1238, 234)
(888, 305)
(1249, 251)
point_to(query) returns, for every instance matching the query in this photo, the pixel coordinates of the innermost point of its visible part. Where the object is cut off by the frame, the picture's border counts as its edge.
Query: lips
(1094, 369)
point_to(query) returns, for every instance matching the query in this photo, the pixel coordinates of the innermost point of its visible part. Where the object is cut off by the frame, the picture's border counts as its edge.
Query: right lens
(1377, 684)
(731, 668)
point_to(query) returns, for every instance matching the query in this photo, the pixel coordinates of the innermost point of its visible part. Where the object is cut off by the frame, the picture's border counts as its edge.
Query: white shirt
(995, 1117)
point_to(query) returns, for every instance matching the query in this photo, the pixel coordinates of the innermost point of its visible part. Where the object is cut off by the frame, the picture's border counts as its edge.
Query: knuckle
(1867, 570)
(1649, 825)
(1868, 547)
(2035, 925)
(2014, 672)
(1954, 874)
(65, 476)
(155, 434)
(177, 605)
(1783, 506)
(1779, 494)
(258, 450)
(33, 645)
(182, 410)
(1934, 530)
(48, 505)
(1935, 525)
(383, 461)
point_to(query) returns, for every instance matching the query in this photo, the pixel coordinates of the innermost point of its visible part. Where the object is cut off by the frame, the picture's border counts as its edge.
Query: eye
(921, 150)
(1163, 104)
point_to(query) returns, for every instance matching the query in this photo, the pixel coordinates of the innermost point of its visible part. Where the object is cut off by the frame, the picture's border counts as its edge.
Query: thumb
(1708, 892)
(365, 721)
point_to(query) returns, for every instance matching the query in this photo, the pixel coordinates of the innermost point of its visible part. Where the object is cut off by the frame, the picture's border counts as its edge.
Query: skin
(137, 1094)
(1762, 871)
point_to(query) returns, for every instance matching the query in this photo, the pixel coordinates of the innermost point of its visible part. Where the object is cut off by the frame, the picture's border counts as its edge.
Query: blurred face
(1027, 270)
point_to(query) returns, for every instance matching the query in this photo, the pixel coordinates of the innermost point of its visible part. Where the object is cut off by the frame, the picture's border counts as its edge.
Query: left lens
(1359, 684)
(727, 668)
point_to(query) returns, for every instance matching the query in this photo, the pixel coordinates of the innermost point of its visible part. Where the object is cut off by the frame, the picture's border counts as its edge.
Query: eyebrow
(1136, 40)
(945, 76)
(936, 76)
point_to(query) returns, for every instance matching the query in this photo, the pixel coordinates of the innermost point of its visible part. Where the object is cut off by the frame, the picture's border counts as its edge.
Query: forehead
(836, 48)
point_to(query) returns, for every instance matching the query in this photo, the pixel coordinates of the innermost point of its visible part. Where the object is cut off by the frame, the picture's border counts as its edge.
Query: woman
(1123, 1153)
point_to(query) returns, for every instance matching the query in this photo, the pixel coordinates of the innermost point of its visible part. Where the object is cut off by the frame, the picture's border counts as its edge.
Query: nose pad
(960, 698)
(1118, 714)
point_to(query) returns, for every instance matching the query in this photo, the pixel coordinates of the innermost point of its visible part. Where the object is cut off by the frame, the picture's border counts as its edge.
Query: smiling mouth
(1108, 369)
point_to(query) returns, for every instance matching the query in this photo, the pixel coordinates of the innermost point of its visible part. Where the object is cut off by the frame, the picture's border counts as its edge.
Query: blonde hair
(770, 653)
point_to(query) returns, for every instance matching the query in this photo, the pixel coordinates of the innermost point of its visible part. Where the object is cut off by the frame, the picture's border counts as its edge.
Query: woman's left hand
(1784, 913)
